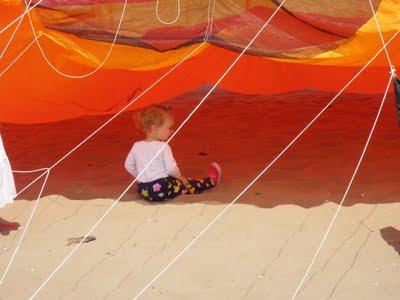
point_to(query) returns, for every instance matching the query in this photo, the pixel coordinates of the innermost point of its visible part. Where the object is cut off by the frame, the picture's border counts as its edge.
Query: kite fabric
(92, 56)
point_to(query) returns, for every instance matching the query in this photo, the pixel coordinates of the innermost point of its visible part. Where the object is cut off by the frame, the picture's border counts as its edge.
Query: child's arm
(171, 166)
(130, 164)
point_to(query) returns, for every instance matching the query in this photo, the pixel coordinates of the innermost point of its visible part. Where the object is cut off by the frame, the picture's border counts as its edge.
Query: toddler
(162, 179)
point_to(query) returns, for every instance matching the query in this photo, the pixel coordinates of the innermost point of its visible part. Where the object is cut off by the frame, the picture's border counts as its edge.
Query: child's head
(156, 122)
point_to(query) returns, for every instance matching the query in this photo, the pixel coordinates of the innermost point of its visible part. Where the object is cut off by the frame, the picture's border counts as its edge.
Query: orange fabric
(31, 92)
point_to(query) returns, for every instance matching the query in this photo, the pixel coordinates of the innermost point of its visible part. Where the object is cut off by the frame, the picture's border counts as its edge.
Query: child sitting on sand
(160, 179)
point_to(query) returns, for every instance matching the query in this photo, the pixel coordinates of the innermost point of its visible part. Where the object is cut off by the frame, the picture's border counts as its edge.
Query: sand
(251, 253)
(259, 250)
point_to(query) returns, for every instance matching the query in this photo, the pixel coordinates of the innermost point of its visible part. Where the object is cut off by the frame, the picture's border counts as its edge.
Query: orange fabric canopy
(305, 46)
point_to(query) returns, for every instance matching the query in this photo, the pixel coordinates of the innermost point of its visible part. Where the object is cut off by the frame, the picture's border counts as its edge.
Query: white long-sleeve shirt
(7, 185)
(162, 166)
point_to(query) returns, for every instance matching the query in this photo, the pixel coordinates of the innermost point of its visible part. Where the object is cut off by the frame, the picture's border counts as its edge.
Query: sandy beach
(252, 253)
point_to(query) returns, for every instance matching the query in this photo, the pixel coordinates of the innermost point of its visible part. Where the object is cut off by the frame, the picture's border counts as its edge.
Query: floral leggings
(170, 187)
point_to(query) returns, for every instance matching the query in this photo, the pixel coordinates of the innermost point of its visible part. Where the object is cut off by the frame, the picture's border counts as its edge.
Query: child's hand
(183, 179)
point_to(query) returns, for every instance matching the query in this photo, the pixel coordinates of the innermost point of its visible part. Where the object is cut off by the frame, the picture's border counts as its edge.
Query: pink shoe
(214, 172)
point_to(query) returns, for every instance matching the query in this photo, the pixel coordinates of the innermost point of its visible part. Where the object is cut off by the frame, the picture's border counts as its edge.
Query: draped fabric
(308, 44)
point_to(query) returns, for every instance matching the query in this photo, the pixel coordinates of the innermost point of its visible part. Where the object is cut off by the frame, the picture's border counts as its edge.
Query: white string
(21, 16)
(108, 53)
(126, 106)
(11, 38)
(75, 148)
(25, 228)
(159, 151)
(171, 70)
(112, 118)
(116, 115)
(358, 164)
(106, 123)
(210, 22)
(29, 171)
(345, 194)
(131, 184)
(254, 180)
(101, 127)
(392, 68)
(177, 14)
(380, 32)
(15, 30)
(20, 55)
(30, 184)
(80, 144)
(212, 15)
(98, 67)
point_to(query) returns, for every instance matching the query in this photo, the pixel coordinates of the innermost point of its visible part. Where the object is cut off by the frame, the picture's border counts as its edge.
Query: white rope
(15, 31)
(108, 53)
(358, 164)
(123, 109)
(149, 88)
(25, 228)
(131, 184)
(254, 180)
(112, 118)
(345, 194)
(21, 16)
(178, 13)
(29, 171)
(159, 151)
(96, 131)
(210, 20)
(11, 38)
(20, 55)
(80, 144)
(380, 33)
(106, 123)
(98, 67)
(116, 115)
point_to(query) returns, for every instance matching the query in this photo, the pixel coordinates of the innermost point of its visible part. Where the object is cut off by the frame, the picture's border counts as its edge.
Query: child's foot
(214, 172)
